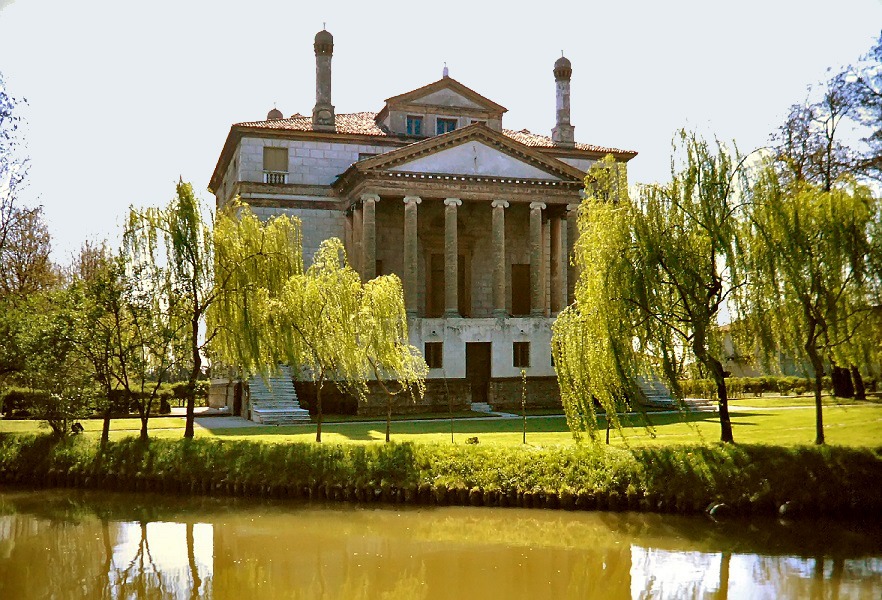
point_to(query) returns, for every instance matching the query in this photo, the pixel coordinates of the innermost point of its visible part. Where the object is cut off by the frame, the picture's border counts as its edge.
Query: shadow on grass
(374, 431)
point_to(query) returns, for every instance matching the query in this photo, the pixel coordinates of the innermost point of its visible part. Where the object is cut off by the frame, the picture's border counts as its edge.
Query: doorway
(478, 369)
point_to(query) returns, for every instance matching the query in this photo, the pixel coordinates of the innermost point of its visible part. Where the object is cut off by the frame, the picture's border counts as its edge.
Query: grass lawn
(778, 401)
(848, 425)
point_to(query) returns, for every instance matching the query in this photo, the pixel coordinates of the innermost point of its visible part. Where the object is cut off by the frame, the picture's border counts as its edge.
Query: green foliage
(324, 322)
(656, 272)
(678, 478)
(812, 283)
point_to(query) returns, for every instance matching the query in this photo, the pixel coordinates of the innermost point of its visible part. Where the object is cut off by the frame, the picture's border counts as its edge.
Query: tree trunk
(607, 429)
(194, 376)
(860, 392)
(388, 417)
(105, 429)
(318, 412)
(715, 368)
(818, 367)
(841, 380)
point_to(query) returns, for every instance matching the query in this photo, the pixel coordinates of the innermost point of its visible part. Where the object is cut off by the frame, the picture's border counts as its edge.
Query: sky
(125, 97)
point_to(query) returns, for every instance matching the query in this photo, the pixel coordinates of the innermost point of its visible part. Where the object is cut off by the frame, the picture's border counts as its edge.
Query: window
(378, 266)
(434, 354)
(521, 354)
(275, 165)
(414, 125)
(444, 125)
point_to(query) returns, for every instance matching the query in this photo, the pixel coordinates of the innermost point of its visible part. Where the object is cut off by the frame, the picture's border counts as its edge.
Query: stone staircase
(481, 407)
(657, 395)
(276, 403)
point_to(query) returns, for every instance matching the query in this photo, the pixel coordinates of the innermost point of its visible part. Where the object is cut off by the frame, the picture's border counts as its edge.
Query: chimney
(562, 134)
(323, 113)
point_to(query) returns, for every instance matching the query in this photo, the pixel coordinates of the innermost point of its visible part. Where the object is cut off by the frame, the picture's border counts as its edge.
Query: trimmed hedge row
(683, 479)
(750, 386)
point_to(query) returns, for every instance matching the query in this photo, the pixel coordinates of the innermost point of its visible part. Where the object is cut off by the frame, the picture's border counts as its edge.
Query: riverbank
(742, 479)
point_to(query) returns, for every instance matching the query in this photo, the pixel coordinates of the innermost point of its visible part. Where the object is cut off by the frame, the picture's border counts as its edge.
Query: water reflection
(62, 544)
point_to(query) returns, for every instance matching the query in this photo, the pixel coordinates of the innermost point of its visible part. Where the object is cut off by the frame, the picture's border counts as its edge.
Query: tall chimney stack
(323, 113)
(562, 134)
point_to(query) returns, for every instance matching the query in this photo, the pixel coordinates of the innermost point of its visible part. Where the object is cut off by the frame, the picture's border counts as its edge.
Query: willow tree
(178, 237)
(254, 260)
(382, 337)
(812, 284)
(657, 271)
(592, 337)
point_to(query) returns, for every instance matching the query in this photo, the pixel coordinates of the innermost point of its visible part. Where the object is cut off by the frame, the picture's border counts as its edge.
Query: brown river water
(75, 544)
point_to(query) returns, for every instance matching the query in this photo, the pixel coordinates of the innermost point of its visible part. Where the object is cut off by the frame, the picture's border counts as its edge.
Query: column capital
(452, 202)
(573, 207)
(499, 204)
(412, 200)
(535, 205)
(366, 197)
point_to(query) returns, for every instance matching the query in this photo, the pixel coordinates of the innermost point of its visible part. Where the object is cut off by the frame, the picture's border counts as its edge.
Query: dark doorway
(237, 399)
(478, 369)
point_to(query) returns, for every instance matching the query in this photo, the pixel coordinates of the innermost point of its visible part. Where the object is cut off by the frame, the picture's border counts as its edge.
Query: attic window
(444, 125)
(414, 125)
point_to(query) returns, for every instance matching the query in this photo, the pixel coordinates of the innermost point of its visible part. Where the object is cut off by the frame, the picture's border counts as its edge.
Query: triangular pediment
(475, 150)
(475, 157)
(447, 92)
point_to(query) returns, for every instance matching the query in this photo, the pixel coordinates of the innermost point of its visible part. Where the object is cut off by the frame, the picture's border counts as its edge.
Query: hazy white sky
(123, 97)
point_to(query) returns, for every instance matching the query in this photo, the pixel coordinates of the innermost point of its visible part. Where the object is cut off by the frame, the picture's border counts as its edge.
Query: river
(75, 544)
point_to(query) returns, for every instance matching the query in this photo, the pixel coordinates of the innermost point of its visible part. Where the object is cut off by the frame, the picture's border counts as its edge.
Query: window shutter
(275, 159)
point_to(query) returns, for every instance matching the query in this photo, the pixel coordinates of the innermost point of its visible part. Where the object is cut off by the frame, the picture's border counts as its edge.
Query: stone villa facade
(477, 220)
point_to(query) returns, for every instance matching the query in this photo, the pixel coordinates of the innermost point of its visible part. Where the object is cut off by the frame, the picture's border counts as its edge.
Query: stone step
(481, 407)
(274, 401)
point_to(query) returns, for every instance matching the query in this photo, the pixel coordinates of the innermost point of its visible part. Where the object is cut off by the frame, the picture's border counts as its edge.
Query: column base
(451, 314)
(499, 313)
(537, 313)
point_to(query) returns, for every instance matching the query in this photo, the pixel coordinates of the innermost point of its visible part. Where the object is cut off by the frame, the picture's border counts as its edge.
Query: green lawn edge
(748, 479)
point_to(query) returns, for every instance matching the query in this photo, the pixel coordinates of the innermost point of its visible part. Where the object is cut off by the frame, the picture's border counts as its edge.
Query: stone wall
(542, 392)
(435, 399)
(317, 226)
(309, 162)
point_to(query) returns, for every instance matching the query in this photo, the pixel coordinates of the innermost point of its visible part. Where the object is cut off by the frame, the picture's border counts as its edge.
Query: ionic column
(410, 254)
(357, 259)
(557, 233)
(498, 232)
(536, 290)
(369, 246)
(572, 235)
(451, 259)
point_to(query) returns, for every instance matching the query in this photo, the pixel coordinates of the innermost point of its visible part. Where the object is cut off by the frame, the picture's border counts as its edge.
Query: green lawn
(849, 425)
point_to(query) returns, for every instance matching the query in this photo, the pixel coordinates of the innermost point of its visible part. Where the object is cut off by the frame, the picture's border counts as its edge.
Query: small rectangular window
(378, 265)
(445, 125)
(434, 354)
(414, 125)
(521, 354)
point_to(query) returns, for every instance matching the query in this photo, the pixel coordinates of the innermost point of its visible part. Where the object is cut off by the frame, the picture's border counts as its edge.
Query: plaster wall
(474, 158)
(501, 333)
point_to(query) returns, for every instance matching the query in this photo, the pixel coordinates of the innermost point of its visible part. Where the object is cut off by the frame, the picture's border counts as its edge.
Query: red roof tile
(535, 140)
(363, 123)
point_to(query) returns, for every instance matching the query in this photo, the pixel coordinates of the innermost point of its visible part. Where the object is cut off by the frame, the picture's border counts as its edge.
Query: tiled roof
(534, 140)
(363, 123)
